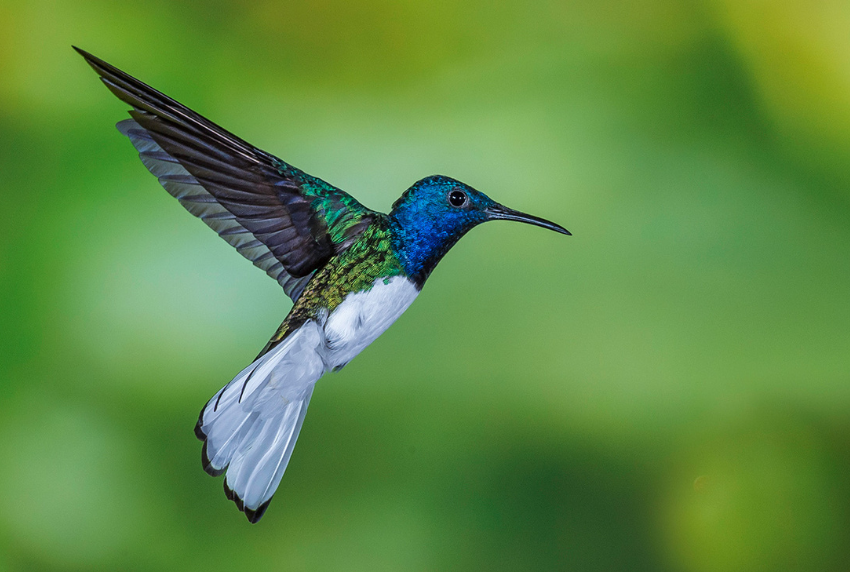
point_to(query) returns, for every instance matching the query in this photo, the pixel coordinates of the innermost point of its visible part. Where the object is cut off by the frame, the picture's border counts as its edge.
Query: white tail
(250, 426)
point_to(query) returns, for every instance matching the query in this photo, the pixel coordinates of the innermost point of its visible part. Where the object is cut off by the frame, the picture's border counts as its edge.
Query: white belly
(364, 316)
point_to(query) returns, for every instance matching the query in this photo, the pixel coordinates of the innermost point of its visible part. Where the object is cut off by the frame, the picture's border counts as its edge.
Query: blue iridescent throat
(424, 225)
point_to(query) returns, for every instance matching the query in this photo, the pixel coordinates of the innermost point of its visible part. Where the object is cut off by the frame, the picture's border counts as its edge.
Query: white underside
(252, 423)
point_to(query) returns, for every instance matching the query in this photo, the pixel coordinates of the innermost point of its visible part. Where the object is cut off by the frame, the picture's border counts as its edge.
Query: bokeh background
(667, 390)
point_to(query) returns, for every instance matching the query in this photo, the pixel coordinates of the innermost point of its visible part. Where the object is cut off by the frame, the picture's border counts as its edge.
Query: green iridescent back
(343, 217)
(369, 257)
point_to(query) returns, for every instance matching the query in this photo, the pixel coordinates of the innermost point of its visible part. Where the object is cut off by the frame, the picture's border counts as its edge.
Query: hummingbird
(350, 271)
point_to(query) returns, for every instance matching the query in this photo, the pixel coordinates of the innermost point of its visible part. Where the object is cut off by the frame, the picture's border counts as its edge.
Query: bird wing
(285, 221)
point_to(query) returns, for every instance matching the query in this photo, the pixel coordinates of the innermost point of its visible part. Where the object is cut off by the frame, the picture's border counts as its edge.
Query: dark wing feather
(285, 221)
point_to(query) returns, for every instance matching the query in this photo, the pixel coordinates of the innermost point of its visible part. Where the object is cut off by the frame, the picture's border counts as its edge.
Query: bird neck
(419, 244)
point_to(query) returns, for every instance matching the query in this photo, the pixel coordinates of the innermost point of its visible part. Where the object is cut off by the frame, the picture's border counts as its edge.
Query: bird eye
(457, 198)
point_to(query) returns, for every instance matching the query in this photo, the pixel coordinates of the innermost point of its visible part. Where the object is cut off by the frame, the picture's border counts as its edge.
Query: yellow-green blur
(667, 390)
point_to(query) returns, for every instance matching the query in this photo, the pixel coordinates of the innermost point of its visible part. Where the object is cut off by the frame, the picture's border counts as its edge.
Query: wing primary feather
(285, 221)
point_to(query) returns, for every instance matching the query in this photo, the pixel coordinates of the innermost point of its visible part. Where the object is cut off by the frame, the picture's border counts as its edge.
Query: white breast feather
(363, 316)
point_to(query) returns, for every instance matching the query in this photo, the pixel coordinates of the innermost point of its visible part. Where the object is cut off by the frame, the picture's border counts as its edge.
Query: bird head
(433, 214)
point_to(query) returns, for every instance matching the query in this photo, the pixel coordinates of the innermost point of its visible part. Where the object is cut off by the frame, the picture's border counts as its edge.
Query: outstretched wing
(283, 220)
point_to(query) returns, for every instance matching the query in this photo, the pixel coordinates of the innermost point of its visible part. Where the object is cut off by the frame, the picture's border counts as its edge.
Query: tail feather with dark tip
(249, 428)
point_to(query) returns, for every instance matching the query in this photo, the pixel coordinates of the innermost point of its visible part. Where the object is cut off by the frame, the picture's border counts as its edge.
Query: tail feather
(250, 426)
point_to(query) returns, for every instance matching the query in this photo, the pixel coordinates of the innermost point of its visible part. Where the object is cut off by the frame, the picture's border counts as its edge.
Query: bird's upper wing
(283, 220)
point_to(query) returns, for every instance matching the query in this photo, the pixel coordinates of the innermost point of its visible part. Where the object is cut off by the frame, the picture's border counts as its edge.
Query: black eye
(457, 198)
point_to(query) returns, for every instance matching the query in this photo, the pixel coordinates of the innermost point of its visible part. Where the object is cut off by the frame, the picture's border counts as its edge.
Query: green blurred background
(667, 390)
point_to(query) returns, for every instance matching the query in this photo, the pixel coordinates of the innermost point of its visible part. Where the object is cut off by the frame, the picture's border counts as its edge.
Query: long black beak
(499, 212)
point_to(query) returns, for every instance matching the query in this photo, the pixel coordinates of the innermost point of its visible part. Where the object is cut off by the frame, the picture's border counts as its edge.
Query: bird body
(350, 271)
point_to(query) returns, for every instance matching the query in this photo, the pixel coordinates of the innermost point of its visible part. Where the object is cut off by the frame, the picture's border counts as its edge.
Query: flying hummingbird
(350, 271)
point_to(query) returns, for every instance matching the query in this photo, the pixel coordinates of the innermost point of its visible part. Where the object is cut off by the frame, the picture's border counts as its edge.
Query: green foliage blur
(667, 390)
